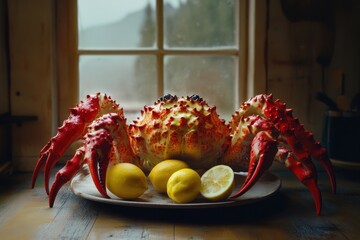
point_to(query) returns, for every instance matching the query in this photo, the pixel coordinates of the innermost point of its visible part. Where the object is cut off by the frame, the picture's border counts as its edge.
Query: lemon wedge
(217, 183)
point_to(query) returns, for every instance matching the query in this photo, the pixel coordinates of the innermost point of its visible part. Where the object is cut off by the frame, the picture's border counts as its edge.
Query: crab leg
(303, 145)
(317, 152)
(300, 141)
(98, 146)
(66, 173)
(106, 142)
(72, 129)
(304, 170)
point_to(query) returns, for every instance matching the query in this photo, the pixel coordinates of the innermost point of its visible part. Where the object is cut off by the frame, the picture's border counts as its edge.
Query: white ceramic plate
(83, 186)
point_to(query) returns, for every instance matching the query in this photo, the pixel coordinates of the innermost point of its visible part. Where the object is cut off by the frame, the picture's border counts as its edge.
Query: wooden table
(289, 214)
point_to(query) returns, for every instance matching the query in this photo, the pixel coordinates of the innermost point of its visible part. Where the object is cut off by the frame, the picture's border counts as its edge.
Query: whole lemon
(126, 180)
(184, 185)
(161, 173)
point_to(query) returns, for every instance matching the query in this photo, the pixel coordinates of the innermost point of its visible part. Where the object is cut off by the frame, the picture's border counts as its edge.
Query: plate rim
(84, 172)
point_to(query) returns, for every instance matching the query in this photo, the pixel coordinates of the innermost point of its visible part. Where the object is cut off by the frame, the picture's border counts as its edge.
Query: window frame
(250, 52)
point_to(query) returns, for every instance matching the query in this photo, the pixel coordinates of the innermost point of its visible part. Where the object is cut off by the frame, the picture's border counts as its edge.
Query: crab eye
(196, 97)
(168, 97)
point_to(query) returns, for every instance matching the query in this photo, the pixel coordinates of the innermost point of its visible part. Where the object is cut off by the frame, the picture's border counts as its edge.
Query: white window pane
(130, 80)
(200, 23)
(115, 24)
(212, 77)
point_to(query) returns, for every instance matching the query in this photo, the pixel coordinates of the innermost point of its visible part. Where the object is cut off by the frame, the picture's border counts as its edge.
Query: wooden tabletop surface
(289, 214)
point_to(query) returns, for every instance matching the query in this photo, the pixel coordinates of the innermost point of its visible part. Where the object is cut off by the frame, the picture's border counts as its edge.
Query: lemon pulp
(217, 183)
(126, 180)
(161, 173)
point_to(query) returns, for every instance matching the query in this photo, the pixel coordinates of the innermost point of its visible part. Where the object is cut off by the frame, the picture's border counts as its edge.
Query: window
(137, 51)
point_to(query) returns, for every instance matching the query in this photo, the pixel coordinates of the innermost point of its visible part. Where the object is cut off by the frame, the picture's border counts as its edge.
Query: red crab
(185, 128)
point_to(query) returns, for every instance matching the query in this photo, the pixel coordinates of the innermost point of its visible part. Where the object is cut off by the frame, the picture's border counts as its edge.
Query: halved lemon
(217, 183)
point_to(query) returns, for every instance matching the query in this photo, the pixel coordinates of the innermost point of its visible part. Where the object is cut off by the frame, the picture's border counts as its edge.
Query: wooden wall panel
(4, 85)
(4, 81)
(32, 76)
(295, 76)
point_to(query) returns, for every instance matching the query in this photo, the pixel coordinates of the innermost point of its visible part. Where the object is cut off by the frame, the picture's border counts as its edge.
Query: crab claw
(263, 151)
(71, 130)
(66, 173)
(305, 171)
(322, 156)
(98, 145)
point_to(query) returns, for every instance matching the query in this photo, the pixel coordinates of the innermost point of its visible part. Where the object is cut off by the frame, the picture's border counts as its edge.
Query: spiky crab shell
(260, 105)
(182, 128)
